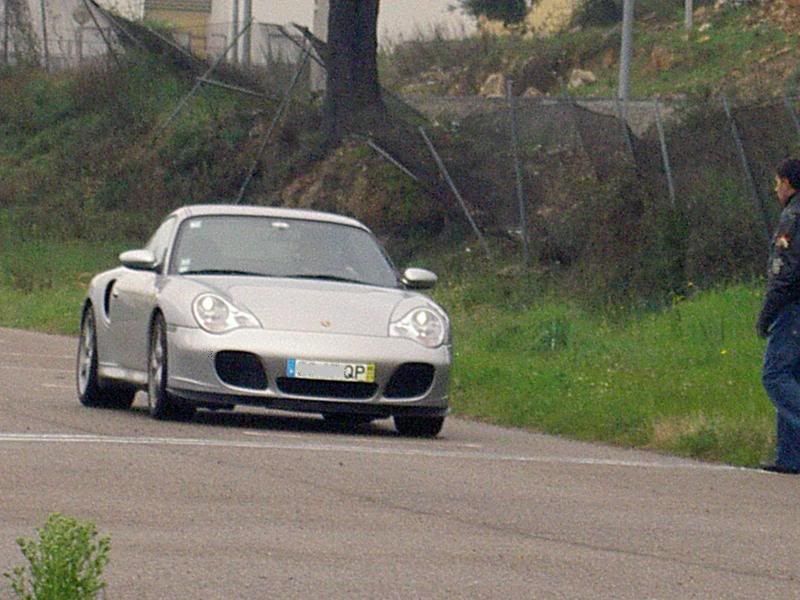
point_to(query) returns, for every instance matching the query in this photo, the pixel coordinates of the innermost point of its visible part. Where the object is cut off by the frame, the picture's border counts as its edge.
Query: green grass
(711, 61)
(43, 283)
(683, 380)
(729, 51)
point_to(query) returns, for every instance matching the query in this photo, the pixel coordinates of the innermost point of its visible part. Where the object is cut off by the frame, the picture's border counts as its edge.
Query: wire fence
(532, 163)
(78, 31)
(536, 168)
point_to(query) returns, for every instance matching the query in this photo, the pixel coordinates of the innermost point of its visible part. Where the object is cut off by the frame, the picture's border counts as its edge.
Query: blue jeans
(781, 378)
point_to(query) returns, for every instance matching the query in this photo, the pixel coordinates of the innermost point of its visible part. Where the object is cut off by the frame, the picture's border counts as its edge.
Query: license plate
(330, 371)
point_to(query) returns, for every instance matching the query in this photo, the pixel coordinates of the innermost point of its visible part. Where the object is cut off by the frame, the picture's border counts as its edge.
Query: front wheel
(161, 403)
(91, 391)
(419, 426)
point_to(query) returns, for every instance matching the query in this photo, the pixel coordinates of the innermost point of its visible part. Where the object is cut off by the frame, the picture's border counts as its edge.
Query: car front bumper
(193, 372)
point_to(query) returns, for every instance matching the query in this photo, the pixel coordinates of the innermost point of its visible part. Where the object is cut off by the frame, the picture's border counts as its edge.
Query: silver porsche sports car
(272, 307)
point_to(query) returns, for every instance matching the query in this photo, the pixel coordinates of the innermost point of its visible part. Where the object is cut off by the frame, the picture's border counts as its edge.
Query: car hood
(320, 306)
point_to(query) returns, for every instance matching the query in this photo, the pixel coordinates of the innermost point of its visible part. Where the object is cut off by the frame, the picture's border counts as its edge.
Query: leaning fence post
(792, 113)
(278, 114)
(622, 115)
(391, 159)
(118, 24)
(665, 153)
(746, 166)
(198, 83)
(444, 172)
(523, 217)
(573, 111)
(101, 32)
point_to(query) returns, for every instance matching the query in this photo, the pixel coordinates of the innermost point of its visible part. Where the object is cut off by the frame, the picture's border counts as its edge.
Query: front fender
(175, 300)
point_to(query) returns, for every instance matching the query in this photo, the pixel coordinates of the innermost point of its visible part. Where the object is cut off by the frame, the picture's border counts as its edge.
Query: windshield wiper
(224, 272)
(324, 278)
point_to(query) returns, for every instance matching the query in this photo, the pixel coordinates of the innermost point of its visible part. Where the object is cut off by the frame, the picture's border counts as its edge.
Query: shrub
(510, 11)
(65, 564)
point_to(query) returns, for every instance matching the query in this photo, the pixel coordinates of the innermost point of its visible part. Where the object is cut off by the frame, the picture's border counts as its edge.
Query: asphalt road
(270, 505)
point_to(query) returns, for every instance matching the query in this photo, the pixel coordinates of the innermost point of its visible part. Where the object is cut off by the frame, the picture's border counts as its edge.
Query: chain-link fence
(575, 177)
(685, 186)
(66, 34)
(55, 36)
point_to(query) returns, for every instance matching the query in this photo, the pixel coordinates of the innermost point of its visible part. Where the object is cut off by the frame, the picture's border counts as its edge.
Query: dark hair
(789, 169)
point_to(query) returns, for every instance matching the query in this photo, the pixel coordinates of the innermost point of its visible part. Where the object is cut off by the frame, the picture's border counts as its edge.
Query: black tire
(161, 403)
(91, 390)
(419, 426)
(118, 395)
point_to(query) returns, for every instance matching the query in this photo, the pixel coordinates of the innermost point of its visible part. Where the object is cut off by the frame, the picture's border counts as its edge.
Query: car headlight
(217, 315)
(423, 325)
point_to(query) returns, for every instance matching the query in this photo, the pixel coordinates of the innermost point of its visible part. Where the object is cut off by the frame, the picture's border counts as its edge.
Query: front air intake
(240, 369)
(410, 380)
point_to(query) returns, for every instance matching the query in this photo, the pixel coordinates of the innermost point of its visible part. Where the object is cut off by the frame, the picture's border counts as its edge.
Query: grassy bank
(682, 380)
(748, 51)
(42, 283)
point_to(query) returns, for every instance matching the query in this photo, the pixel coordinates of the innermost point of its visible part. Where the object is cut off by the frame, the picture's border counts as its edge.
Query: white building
(205, 26)
(56, 33)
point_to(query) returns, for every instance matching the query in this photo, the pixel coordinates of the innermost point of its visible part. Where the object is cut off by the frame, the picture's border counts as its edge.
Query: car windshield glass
(245, 245)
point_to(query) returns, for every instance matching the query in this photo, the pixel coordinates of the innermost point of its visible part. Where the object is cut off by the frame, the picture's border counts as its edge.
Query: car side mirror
(419, 279)
(140, 260)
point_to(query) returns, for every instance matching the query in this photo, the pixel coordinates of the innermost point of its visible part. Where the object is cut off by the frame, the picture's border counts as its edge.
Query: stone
(661, 59)
(581, 77)
(532, 92)
(494, 86)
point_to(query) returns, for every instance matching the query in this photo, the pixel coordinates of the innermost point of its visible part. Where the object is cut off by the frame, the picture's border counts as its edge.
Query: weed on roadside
(65, 563)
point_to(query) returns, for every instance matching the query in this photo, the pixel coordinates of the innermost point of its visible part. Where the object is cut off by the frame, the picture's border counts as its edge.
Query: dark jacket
(783, 268)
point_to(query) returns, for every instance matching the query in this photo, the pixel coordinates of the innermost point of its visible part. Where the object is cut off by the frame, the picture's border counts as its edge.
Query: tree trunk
(353, 96)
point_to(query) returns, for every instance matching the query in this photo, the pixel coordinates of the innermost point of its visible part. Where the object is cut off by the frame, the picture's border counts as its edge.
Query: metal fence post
(688, 16)
(746, 166)
(6, 30)
(235, 33)
(622, 115)
(278, 114)
(665, 153)
(118, 24)
(44, 36)
(625, 54)
(391, 159)
(523, 217)
(573, 106)
(101, 32)
(197, 85)
(444, 172)
(792, 113)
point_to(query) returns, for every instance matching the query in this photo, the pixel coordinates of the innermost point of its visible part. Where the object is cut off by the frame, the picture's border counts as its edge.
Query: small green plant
(66, 563)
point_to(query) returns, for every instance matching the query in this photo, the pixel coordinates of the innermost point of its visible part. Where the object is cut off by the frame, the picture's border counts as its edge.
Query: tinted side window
(159, 243)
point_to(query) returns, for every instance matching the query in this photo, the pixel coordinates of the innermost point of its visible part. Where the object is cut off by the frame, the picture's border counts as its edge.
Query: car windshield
(273, 247)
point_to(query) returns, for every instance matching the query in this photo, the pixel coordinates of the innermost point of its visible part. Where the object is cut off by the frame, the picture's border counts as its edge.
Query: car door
(133, 299)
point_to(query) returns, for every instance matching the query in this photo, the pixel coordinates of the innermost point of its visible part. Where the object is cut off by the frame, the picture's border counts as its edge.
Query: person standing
(779, 321)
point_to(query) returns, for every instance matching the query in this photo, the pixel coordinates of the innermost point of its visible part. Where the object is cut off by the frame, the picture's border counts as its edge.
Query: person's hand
(762, 328)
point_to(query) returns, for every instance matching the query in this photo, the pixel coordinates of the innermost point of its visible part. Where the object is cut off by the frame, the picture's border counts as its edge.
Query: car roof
(199, 210)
